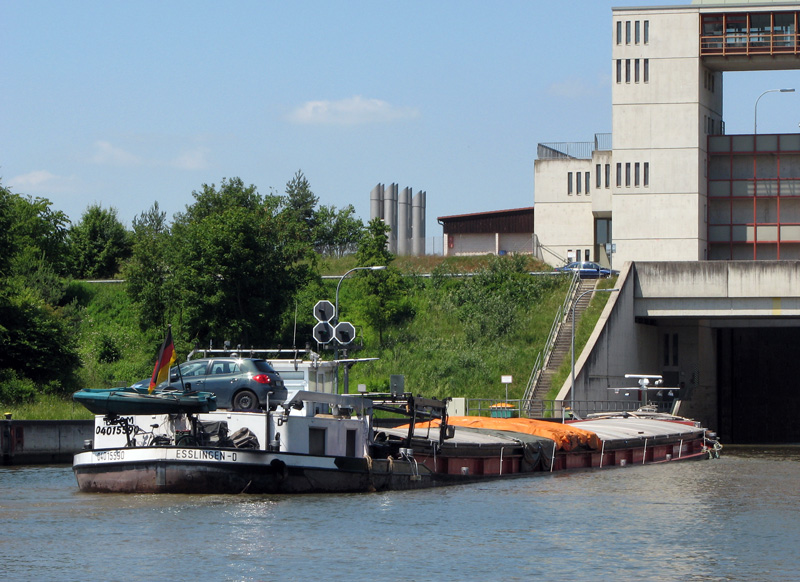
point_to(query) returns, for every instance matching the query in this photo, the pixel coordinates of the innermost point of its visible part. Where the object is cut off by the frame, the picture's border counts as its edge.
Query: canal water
(736, 518)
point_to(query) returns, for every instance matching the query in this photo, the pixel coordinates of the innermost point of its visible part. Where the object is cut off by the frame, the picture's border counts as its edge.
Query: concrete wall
(659, 121)
(713, 289)
(664, 320)
(563, 221)
(488, 243)
(43, 441)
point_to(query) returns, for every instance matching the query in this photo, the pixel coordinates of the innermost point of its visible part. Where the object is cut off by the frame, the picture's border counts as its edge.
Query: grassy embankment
(456, 344)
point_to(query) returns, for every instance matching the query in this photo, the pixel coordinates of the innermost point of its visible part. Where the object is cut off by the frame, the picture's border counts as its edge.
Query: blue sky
(129, 103)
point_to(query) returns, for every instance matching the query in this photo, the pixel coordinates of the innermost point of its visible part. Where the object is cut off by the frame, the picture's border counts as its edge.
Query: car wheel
(245, 400)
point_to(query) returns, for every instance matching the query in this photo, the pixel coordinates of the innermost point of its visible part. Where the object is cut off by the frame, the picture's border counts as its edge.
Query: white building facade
(668, 184)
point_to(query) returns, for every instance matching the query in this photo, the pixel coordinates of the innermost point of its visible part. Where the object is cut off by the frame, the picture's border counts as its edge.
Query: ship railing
(551, 409)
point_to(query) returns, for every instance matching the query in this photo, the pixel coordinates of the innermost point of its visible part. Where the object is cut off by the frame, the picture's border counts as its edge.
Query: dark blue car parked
(587, 270)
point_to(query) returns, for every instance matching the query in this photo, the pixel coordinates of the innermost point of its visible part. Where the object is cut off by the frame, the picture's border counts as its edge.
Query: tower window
(569, 182)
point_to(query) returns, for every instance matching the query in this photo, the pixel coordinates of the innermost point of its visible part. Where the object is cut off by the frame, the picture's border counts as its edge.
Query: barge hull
(272, 475)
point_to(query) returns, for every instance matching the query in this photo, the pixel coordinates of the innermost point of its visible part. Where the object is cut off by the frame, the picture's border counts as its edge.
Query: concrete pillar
(376, 202)
(390, 214)
(404, 222)
(418, 224)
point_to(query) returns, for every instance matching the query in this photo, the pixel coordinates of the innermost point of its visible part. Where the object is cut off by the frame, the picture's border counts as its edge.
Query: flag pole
(165, 359)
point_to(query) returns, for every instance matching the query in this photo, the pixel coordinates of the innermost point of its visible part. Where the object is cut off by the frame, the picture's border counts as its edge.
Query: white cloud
(33, 180)
(191, 159)
(352, 111)
(106, 153)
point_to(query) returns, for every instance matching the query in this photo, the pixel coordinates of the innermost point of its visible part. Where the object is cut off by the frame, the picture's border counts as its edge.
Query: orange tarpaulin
(566, 437)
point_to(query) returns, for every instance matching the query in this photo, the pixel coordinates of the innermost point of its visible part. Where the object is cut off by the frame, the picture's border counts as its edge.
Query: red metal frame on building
(748, 33)
(754, 211)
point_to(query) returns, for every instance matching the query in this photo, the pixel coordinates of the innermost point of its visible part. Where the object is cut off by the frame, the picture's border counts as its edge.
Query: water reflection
(730, 519)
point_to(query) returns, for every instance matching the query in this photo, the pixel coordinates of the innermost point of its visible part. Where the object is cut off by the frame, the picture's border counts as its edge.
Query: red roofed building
(497, 232)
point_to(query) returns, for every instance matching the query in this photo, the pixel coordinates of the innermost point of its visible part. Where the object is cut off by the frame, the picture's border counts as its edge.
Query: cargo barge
(313, 441)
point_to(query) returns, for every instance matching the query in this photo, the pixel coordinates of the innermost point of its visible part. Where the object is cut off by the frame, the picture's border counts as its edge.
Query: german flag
(166, 357)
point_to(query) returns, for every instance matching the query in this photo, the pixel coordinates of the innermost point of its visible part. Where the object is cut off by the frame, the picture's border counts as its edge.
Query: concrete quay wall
(35, 442)
(710, 289)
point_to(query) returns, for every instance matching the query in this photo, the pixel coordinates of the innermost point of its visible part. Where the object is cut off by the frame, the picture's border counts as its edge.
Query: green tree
(6, 237)
(39, 255)
(337, 231)
(147, 273)
(373, 247)
(236, 269)
(99, 243)
(301, 205)
(39, 232)
(384, 301)
(37, 342)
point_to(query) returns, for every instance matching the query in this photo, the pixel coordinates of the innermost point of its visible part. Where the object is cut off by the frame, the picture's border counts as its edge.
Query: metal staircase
(558, 345)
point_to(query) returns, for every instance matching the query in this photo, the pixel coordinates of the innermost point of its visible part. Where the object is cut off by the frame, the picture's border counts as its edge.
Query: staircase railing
(543, 357)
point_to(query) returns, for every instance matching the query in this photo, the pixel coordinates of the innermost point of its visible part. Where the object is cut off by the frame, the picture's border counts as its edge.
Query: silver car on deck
(238, 383)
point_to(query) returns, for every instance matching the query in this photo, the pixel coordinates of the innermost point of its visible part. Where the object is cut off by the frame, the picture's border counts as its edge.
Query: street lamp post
(339, 284)
(755, 112)
(572, 387)
(336, 320)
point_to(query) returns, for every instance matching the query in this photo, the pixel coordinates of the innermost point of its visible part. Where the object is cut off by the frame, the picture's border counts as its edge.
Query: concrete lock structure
(704, 226)
(674, 186)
